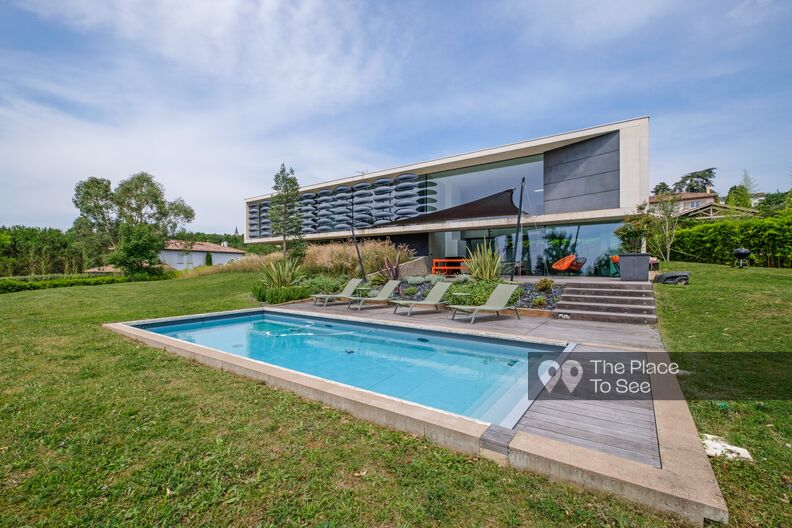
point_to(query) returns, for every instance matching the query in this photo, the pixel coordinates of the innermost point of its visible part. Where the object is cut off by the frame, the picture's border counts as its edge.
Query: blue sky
(210, 96)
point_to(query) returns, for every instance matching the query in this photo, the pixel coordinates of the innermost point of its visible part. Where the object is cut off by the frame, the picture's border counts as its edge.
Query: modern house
(578, 188)
(182, 255)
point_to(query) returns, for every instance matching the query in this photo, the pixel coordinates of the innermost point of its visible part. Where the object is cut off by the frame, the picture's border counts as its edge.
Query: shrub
(462, 277)
(545, 285)
(377, 280)
(279, 295)
(539, 302)
(484, 263)
(281, 273)
(392, 268)
(323, 284)
(51, 276)
(412, 290)
(477, 292)
(12, 285)
(340, 258)
(415, 280)
(769, 239)
(208, 259)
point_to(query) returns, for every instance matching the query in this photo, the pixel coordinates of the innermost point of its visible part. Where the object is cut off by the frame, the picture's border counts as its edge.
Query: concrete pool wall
(685, 485)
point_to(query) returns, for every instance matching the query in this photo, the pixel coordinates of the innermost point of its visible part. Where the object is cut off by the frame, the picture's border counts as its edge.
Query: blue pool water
(486, 379)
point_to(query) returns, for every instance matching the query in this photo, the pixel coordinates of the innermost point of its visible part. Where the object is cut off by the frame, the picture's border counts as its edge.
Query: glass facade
(460, 186)
(540, 247)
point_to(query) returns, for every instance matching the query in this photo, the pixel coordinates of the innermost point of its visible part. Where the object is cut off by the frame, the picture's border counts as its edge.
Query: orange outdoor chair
(615, 260)
(576, 266)
(563, 264)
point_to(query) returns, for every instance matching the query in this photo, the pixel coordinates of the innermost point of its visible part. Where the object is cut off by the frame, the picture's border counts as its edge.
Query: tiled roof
(181, 245)
(686, 196)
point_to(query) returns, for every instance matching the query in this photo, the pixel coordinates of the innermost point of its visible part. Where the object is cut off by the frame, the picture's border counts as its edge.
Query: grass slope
(744, 311)
(97, 430)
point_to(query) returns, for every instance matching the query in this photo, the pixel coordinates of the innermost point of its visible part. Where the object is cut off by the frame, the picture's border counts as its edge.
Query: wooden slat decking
(621, 428)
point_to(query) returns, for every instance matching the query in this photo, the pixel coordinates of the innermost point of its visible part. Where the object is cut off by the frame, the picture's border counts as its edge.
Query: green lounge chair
(432, 298)
(382, 296)
(497, 303)
(346, 293)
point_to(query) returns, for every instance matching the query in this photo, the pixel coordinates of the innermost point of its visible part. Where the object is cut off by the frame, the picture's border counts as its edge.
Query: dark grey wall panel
(583, 176)
(585, 202)
(598, 163)
(596, 183)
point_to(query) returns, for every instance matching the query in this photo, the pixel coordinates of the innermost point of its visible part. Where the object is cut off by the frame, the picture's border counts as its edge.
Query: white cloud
(210, 97)
(582, 23)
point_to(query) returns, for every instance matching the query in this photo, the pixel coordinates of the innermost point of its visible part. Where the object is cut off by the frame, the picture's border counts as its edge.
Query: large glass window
(460, 186)
(541, 247)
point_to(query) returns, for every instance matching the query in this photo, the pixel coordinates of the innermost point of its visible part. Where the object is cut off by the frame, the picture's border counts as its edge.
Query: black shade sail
(498, 204)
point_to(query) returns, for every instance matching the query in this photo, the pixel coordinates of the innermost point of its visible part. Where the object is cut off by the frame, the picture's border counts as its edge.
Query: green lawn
(733, 310)
(96, 430)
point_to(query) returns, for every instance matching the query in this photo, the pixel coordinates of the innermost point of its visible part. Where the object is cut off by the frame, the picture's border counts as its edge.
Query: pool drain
(349, 351)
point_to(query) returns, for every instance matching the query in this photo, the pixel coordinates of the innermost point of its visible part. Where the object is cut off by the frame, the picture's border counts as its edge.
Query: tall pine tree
(284, 210)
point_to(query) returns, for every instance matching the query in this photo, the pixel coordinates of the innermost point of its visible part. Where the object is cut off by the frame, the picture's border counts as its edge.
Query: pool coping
(685, 484)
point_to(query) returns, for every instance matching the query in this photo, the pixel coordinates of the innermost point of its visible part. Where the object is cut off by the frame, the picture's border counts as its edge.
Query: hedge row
(52, 276)
(12, 285)
(769, 239)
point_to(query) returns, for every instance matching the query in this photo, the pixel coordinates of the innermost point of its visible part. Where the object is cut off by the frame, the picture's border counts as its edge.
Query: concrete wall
(193, 259)
(583, 176)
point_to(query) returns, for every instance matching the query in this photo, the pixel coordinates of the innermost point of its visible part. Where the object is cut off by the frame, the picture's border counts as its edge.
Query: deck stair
(613, 302)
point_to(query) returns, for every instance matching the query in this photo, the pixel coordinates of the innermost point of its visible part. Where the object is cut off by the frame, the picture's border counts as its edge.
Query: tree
(656, 222)
(749, 183)
(774, 203)
(697, 181)
(738, 196)
(661, 188)
(138, 248)
(284, 210)
(136, 200)
(208, 258)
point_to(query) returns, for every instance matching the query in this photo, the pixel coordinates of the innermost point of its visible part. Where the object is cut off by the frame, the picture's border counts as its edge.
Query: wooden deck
(622, 428)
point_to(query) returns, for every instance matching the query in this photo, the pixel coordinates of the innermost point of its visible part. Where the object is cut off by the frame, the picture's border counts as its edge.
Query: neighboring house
(182, 255)
(688, 200)
(757, 198)
(579, 186)
(716, 211)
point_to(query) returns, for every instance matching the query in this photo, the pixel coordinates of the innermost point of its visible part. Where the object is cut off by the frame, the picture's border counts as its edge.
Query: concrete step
(575, 290)
(606, 307)
(610, 299)
(615, 285)
(584, 315)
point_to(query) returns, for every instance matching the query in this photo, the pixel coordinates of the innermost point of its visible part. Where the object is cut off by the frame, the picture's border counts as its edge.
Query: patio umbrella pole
(354, 238)
(519, 227)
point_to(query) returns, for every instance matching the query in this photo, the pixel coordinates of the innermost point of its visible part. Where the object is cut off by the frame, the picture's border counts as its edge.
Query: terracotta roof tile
(181, 245)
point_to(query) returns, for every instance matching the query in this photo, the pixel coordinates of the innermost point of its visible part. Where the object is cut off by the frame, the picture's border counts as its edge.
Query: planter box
(634, 266)
(535, 312)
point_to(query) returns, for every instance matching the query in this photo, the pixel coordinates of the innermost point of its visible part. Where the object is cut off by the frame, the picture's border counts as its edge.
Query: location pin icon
(572, 372)
(549, 380)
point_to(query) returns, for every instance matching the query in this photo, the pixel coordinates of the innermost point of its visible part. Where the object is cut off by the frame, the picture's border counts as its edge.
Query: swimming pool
(481, 378)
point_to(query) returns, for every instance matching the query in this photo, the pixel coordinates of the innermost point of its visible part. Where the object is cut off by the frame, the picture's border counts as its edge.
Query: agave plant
(392, 270)
(484, 263)
(281, 273)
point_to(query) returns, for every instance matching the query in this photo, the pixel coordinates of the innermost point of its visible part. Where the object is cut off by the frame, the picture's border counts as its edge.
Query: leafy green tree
(661, 188)
(738, 196)
(774, 203)
(138, 248)
(136, 200)
(284, 210)
(696, 181)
